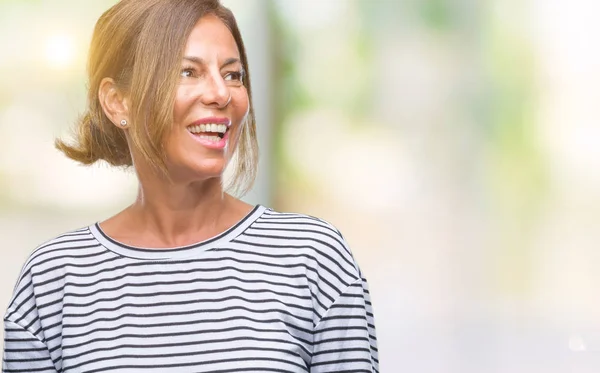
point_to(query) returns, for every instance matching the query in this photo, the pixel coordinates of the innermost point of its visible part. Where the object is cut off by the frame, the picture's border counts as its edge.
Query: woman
(188, 278)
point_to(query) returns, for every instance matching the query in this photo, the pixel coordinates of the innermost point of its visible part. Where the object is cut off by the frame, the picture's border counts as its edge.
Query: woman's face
(211, 104)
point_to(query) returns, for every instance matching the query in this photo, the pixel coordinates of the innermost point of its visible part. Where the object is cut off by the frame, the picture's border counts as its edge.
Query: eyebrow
(200, 61)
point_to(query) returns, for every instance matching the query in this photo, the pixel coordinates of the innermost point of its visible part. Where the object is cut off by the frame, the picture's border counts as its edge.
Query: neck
(172, 214)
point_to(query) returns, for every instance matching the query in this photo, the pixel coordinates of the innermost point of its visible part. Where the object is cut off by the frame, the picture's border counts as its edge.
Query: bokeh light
(60, 51)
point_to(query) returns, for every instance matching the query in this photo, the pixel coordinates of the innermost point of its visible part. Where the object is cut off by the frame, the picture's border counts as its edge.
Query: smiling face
(211, 104)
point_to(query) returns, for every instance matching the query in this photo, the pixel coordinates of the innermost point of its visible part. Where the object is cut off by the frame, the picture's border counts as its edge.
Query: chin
(208, 169)
(197, 167)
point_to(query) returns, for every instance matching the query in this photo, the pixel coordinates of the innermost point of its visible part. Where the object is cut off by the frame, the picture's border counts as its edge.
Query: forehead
(211, 39)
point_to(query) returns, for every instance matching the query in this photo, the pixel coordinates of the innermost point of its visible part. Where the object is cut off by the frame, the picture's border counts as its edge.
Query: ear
(113, 101)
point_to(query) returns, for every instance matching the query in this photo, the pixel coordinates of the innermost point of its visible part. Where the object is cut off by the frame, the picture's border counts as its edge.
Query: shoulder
(45, 266)
(61, 249)
(309, 233)
(61, 245)
(332, 270)
(298, 220)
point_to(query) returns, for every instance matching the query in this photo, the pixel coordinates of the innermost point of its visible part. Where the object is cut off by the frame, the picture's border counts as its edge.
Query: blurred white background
(455, 143)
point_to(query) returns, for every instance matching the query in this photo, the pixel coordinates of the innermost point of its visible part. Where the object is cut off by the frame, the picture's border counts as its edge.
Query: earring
(123, 123)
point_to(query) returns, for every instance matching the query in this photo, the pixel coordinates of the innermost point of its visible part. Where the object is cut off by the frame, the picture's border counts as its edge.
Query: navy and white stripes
(275, 293)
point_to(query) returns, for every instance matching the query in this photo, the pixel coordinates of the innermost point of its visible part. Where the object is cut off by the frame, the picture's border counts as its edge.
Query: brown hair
(140, 44)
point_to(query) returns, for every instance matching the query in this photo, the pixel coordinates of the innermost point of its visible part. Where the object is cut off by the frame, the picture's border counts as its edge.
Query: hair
(140, 44)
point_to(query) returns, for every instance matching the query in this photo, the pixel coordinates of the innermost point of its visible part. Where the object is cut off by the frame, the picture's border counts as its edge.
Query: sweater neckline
(176, 252)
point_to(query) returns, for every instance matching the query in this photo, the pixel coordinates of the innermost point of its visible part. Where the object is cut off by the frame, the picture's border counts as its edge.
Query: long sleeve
(345, 339)
(24, 352)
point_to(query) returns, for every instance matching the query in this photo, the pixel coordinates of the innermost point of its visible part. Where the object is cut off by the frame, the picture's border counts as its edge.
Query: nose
(215, 93)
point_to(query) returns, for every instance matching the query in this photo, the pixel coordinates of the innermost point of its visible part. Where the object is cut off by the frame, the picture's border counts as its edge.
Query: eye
(188, 72)
(234, 76)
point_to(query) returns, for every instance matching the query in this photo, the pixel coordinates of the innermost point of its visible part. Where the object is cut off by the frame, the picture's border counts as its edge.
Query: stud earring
(123, 123)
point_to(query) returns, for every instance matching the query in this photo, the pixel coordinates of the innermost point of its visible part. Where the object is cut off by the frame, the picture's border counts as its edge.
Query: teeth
(210, 138)
(221, 128)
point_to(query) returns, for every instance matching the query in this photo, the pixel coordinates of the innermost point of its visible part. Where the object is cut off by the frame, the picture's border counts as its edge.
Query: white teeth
(221, 128)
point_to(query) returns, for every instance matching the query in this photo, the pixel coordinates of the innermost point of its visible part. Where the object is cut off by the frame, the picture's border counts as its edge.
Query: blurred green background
(455, 143)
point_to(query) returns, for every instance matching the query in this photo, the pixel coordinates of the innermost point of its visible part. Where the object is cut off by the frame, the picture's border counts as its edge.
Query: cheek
(181, 105)
(242, 103)
(239, 112)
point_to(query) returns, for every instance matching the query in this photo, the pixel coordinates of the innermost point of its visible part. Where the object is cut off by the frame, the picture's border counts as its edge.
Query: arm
(344, 339)
(24, 352)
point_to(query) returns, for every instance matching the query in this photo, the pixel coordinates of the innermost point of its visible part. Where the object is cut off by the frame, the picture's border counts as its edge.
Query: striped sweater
(277, 292)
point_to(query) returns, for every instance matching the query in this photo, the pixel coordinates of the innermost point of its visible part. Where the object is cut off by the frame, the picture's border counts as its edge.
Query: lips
(211, 132)
(212, 120)
(210, 126)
